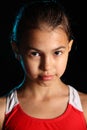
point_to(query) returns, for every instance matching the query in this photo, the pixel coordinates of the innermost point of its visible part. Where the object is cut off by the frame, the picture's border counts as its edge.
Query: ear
(70, 45)
(15, 50)
(14, 47)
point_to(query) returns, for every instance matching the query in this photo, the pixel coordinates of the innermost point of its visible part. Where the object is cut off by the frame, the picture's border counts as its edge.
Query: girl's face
(45, 53)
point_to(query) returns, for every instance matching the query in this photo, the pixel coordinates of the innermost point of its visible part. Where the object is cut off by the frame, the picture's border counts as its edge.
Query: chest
(45, 109)
(17, 119)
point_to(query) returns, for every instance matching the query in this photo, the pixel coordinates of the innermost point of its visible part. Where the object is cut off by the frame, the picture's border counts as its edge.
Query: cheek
(61, 65)
(31, 68)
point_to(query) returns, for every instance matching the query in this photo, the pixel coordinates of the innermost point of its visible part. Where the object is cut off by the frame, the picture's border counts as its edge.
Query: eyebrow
(58, 48)
(32, 48)
(61, 47)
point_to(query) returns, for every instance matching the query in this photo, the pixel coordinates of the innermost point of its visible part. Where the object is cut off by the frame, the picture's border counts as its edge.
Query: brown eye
(58, 53)
(35, 54)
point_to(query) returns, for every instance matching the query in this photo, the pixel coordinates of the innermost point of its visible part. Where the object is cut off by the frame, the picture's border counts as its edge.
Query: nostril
(45, 63)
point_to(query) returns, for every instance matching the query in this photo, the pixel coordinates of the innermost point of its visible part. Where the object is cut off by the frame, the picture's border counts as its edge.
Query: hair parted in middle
(32, 15)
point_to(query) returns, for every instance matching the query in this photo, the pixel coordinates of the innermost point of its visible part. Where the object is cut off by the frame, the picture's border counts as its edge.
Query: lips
(46, 77)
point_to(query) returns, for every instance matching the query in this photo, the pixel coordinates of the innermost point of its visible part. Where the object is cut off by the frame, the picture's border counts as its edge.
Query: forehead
(45, 35)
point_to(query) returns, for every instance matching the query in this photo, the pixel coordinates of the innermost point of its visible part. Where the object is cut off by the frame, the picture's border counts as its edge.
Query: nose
(46, 63)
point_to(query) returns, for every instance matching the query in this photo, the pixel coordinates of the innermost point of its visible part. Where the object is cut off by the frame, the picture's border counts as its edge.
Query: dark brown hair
(33, 14)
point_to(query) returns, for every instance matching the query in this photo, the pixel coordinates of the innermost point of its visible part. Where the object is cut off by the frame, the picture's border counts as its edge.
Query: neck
(42, 91)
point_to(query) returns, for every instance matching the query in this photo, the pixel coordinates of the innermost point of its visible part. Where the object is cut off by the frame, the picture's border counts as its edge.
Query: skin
(46, 52)
(44, 55)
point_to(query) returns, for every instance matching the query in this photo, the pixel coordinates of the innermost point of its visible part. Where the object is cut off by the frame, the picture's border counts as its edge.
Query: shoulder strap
(11, 101)
(75, 99)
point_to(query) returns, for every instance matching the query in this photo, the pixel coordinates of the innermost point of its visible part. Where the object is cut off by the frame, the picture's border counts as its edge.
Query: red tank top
(71, 119)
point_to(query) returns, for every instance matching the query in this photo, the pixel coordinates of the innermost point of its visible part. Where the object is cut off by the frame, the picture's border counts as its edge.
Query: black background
(10, 72)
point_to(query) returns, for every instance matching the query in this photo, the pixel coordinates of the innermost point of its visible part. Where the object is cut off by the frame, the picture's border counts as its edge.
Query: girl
(42, 40)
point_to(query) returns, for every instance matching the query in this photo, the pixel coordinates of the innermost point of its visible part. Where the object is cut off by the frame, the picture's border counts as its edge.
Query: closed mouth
(46, 77)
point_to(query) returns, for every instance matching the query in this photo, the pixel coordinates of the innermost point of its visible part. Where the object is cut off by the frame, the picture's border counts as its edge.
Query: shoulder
(2, 110)
(2, 104)
(83, 98)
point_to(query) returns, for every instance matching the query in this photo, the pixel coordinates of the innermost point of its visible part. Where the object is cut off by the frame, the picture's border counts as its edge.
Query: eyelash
(58, 53)
(36, 54)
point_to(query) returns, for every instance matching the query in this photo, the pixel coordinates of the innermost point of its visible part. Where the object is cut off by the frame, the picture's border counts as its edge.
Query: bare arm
(83, 98)
(2, 111)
